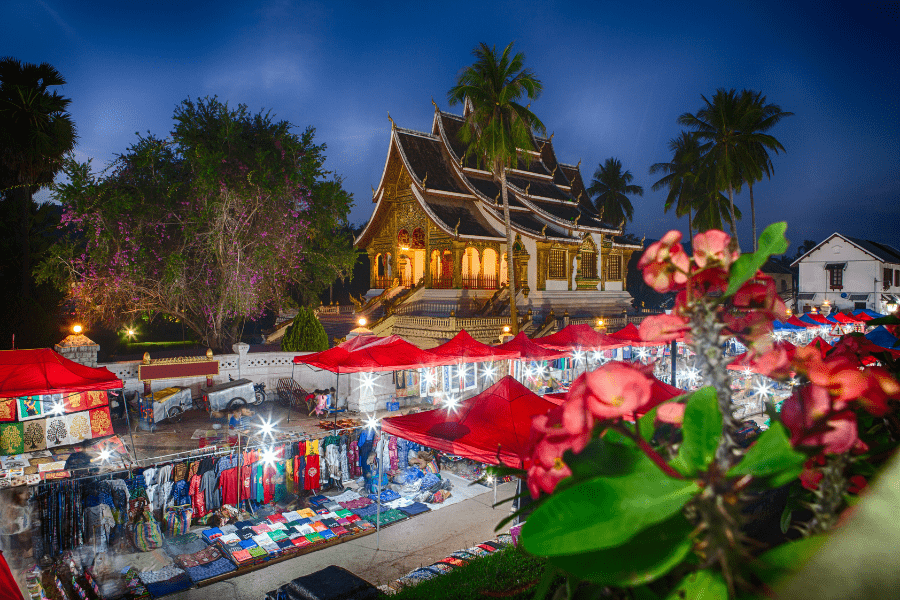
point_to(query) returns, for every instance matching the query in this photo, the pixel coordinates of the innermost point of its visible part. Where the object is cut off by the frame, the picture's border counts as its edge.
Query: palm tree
(681, 178)
(711, 210)
(497, 127)
(762, 117)
(611, 185)
(720, 127)
(35, 134)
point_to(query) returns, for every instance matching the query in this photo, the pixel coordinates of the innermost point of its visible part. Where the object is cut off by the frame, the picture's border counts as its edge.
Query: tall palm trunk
(752, 214)
(22, 196)
(510, 262)
(731, 215)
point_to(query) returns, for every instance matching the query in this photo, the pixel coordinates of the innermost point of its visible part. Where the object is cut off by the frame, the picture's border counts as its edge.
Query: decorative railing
(479, 282)
(444, 282)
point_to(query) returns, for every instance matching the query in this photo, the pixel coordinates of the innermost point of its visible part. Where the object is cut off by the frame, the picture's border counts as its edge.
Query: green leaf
(700, 585)
(605, 512)
(885, 320)
(786, 559)
(771, 242)
(646, 557)
(701, 431)
(772, 457)
(601, 458)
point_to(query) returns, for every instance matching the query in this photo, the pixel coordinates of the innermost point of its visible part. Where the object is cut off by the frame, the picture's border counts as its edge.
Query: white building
(848, 273)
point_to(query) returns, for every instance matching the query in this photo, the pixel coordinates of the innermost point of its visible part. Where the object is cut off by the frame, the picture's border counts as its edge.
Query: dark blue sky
(616, 76)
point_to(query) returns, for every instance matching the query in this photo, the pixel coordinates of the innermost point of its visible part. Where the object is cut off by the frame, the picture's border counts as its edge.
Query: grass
(507, 573)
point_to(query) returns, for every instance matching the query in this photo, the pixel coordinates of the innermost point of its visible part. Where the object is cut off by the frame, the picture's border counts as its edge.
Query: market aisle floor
(419, 541)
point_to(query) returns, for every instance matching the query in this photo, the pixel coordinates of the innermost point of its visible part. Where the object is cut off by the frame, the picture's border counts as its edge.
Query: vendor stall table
(229, 395)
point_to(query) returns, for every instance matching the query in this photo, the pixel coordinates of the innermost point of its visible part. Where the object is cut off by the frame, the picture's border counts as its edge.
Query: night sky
(616, 76)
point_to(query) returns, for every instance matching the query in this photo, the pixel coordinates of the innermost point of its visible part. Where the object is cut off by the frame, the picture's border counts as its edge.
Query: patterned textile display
(35, 407)
(84, 400)
(147, 534)
(35, 435)
(79, 427)
(12, 438)
(101, 423)
(203, 557)
(8, 409)
(57, 432)
(178, 519)
(187, 543)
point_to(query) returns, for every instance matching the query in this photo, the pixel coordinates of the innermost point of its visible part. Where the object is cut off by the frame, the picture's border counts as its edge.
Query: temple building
(437, 240)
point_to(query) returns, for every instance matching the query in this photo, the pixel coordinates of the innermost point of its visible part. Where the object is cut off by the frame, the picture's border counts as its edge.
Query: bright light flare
(762, 388)
(489, 372)
(642, 353)
(578, 355)
(77, 329)
(267, 428)
(451, 403)
(362, 321)
(372, 422)
(269, 457)
(58, 408)
(105, 455)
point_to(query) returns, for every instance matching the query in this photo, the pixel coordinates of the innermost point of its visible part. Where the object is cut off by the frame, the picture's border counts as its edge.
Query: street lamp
(76, 329)
(361, 321)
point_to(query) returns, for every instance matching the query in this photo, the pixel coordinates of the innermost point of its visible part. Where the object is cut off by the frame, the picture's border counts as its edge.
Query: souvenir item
(8, 409)
(12, 439)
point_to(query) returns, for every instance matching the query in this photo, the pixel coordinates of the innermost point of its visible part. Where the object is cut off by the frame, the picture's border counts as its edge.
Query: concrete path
(419, 541)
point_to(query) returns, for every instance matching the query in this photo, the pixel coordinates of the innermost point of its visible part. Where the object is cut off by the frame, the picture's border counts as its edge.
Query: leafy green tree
(35, 134)
(680, 178)
(761, 118)
(305, 334)
(497, 127)
(729, 143)
(212, 226)
(612, 186)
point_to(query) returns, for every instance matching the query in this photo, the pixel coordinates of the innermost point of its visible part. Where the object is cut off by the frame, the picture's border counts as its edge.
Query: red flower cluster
(613, 391)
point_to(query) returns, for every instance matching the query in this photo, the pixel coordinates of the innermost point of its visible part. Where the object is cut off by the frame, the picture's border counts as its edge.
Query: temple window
(418, 239)
(615, 268)
(589, 264)
(557, 267)
(403, 238)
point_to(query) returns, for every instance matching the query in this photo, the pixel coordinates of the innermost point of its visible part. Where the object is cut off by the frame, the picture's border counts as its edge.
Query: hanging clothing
(198, 500)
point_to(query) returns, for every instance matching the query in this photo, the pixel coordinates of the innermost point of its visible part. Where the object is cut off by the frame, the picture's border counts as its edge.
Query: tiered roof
(547, 199)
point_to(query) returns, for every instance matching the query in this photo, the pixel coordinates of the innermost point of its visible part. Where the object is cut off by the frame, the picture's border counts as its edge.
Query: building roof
(547, 200)
(877, 250)
(776, 266)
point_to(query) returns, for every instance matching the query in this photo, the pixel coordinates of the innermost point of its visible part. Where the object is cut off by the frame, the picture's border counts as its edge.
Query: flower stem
(648, 450)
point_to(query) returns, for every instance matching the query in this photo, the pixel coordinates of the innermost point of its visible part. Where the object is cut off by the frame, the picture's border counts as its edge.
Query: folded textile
(276, 518)
(285, 544)
(257, 551)
(353, 518)
(229, 538)
(185, 544)
(318, 500)
(228, 528)
(278, 526)
(386, 496)
(363, 524)
(300, 542)
(170, 586)
(241, 556)
(354, 504)
(205, 556)
(246, 533)
(399, 502)
(305, 529)
(343, 512)
(345, 496)
(332, 506)
(340, 530)
(245, 544)
(315, 537)
(212, 534)
(164, 574)
(262, 539)
(304, 521)
(367, 511)
(318, 526)
(416, 508)
(213, 569)
(307, 513)
(261, 528)
(330, 523)
(327, 534)
(277, 535)
(343, 521)
(291, 516)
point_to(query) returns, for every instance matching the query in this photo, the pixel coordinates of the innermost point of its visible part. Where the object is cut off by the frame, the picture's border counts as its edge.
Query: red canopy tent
(528, 350)
(795, 321)
(821, 345)
(632, 337)
(846, 319)
(818, 318)
(492, 427)
(372, 354)
(464, 348)
(9, 588)
(42, 371)
(579, 337)
(742, 361)
(863, 317)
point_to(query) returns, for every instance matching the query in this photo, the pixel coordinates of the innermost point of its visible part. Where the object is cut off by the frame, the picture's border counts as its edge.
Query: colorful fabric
(12, 440)
(79, 427)
(34, 407)
(8, 410)
(340, 530)
(205, 556)
(178, 519)
(147, 534)
(257, 551)
(35, 433)
(101, 423)
(241, 555)
(212, 534)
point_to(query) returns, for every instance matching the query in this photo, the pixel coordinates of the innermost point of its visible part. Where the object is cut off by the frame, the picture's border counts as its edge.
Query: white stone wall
(259, 367)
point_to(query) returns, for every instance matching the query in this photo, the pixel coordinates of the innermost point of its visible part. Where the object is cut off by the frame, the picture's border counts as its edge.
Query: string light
(642, 353)
(430, 378)
(58, 408)
(451, 403)
(763, 389)
(578, 355)
(489, 372)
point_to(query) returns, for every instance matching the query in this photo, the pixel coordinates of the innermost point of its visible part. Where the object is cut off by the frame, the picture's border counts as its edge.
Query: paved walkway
(419, 541)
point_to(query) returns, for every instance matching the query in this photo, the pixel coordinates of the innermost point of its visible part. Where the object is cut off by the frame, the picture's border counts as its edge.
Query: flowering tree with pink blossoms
(623, 512)
(212, 226)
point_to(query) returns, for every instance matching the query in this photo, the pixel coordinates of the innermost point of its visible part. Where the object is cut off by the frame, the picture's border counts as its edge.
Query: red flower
(663, 328)
(857, 484)
(777, 362)
(614, 390)
(812, 421)
(671, 412)
(565, 427)
(665, 264)
(714, 248)
(811, 475)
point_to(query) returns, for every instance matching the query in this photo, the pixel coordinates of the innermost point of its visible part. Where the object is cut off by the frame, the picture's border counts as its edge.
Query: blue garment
(181, 493)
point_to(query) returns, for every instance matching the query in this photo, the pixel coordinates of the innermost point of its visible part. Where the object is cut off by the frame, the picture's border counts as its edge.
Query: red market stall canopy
(846, 319)
(528, 350)
(372, 354)
(579, 337)
(632, 337)
(42, 371)
(795, 321)
(492, 427)
(821, 345)
(464, 348)
(741, 362)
